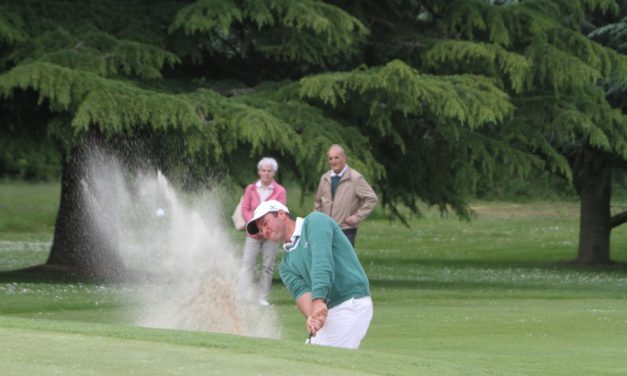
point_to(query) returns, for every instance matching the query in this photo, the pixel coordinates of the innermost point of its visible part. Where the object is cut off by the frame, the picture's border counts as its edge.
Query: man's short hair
(336, 146)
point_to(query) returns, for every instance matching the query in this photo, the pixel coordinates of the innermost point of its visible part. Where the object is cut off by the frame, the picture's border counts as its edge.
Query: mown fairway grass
(451, 297)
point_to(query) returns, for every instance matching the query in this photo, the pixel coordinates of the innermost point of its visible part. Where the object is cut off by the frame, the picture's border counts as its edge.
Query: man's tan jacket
(353, 196)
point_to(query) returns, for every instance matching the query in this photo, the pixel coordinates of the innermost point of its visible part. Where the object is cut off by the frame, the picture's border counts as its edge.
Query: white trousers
(252, 248)
(346, 324)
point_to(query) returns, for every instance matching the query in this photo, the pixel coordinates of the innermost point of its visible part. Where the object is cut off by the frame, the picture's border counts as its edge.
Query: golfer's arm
(304, 304)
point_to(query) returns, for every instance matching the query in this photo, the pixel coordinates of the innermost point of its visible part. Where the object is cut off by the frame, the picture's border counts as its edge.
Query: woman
(264, 189)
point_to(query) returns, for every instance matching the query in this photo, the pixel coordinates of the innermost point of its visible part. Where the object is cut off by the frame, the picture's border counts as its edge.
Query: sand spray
(183, 260)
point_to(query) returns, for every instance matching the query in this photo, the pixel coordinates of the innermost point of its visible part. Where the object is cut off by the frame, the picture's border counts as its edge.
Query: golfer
(321, 271)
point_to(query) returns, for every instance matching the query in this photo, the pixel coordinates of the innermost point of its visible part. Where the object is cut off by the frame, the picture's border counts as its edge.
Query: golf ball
(160, 212)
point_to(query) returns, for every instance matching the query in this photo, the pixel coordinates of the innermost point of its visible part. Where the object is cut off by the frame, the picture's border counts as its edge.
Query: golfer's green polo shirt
(322, 261)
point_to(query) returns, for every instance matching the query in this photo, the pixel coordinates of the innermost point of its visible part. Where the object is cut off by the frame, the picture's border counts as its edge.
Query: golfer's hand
(318, 316)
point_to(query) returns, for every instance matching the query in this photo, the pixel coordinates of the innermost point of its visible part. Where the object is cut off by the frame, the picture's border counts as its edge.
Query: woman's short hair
(267, 161)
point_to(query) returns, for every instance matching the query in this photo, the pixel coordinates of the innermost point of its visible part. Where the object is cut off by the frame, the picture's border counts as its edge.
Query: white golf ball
(160, 212)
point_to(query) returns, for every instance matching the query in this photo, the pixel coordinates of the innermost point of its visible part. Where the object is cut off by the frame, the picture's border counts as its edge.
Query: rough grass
(28, 208)
(451, 297)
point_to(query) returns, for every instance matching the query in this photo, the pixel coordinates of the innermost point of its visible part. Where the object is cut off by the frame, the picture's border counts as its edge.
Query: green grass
(28, 208)
(451, 297)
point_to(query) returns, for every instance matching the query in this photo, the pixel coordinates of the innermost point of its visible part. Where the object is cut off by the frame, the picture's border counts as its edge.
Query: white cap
(263, 209)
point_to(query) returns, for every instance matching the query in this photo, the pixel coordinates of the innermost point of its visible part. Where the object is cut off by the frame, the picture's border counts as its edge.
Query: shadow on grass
(503, 269)
(478, 286)
(61, 274)
(558, 265)
(475, 275)
(40, 274)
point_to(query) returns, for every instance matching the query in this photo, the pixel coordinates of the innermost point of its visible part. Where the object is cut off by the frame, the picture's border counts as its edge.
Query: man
(343, 194)
(321, 271)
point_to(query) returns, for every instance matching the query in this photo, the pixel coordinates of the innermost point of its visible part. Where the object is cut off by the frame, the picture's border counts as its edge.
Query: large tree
(571, 101)
(565, 89)
(594, 172)
(223, 81)
(567, 107)
(428, 97)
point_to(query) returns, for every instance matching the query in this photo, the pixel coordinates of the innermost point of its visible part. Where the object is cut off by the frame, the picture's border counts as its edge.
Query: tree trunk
(594, 188)
(80, 247)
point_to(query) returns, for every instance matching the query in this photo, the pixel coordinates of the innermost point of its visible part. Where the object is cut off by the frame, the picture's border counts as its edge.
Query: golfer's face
(337, 160)
(270, 227)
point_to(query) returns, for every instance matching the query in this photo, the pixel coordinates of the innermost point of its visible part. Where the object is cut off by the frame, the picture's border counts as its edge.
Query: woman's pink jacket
(251, 200)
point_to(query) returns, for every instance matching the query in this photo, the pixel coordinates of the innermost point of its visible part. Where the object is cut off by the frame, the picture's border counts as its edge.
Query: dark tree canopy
(428, 97)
